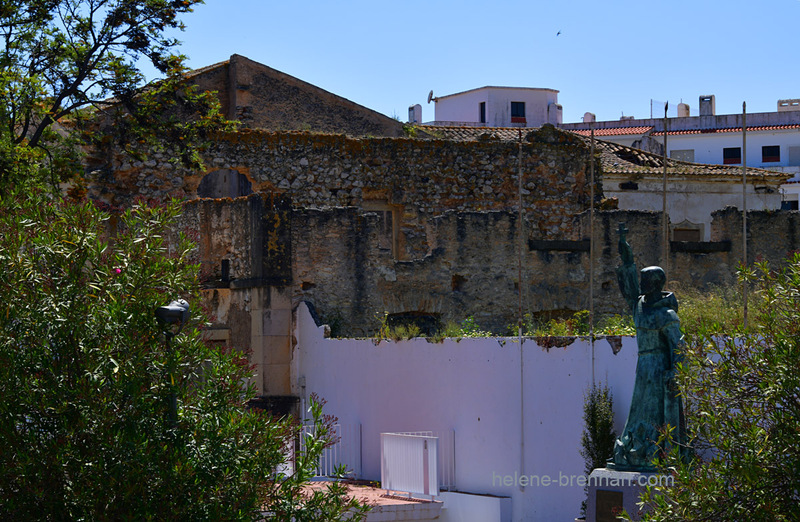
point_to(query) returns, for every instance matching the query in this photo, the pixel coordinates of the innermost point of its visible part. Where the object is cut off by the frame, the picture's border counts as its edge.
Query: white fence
(345, 451)
(409, 463)
(446, 461)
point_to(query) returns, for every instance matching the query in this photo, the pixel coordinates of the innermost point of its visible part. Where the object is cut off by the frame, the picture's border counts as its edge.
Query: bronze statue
(655, 402)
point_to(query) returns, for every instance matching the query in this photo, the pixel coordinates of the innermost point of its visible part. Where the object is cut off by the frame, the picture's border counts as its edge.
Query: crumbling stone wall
(416, 179)
(341, 265)
(359, 227)
(262, 97)
(771, 235)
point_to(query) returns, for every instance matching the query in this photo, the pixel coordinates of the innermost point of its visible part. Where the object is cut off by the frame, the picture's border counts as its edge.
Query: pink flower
(117, 270)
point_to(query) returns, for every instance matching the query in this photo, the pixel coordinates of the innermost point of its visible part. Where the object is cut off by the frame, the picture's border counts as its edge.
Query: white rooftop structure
(492, 106)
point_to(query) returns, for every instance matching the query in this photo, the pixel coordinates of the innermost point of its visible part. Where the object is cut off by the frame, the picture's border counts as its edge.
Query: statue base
(611, 491)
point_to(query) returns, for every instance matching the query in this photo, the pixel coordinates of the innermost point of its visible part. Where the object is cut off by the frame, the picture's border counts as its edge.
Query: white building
(773, 138)
(498, 107)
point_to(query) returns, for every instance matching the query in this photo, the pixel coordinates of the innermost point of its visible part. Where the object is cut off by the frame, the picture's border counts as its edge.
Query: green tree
(742, 397)
(87, 430)
(68, 75)
(104, 415)
(597, 439)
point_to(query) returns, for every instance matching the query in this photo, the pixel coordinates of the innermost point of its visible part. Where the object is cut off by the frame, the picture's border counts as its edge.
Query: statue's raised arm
(627, 275)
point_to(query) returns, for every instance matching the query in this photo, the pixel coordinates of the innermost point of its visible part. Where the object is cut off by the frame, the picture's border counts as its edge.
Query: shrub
(88, 430)
(742, 413)
(598, 437)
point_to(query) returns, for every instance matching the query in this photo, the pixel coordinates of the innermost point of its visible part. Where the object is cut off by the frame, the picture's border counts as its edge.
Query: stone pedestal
(611, 491)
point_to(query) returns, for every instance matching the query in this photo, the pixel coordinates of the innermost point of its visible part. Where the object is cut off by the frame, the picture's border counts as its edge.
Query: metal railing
(409, 463)
(446, 464)
(346, 450)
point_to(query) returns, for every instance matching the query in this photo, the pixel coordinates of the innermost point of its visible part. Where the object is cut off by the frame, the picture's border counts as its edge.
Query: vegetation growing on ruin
(740, 389)
(718, 309)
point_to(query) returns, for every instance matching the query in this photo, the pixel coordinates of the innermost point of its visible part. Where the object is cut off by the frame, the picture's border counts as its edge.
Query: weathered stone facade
(341, 262)
(412, 179)
(363, 227)
(260, 97)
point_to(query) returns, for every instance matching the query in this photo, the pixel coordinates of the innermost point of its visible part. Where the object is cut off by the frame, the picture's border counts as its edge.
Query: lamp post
(177, 312)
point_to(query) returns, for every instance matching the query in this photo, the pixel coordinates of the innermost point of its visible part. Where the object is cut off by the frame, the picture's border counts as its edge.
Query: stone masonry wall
(340, 262)
(359, 227)
(415, 179)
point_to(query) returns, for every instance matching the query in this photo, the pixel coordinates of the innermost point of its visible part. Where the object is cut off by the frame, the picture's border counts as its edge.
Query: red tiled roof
(617, 131)
(616, 159)
(729, 129)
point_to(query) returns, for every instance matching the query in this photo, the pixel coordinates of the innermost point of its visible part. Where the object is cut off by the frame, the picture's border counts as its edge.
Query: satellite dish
(430, 96)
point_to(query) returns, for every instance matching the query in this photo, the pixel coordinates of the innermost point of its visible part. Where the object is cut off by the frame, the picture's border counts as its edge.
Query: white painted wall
(791, 191)
(460, 507)
(473, 387)
(708, 147)
(464, 107)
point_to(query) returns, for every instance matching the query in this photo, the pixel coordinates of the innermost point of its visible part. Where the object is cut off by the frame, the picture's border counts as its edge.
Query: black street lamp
(175, 313)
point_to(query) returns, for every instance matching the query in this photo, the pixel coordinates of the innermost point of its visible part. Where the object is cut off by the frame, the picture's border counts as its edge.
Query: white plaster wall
(791, 191)
(473, 387)
(464, 107)
(459, 507)
(708, 147)
(626, 140)
(690, 200)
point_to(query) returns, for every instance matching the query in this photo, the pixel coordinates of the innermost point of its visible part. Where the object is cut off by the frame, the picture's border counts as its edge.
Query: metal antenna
(744, 206)
(665, 216)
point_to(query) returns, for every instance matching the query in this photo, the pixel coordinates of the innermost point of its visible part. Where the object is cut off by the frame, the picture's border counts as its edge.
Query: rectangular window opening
(389, 223)
(482, 109)
(794, 156)
(687, 234)
(682, 155)
(518, 112)
(771, 153)
(732, 155)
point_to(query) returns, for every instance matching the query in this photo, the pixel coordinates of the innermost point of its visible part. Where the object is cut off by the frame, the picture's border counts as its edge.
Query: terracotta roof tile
(469, 133)
(617, 131)
(619, 159)
(615, 159)
(729, 129)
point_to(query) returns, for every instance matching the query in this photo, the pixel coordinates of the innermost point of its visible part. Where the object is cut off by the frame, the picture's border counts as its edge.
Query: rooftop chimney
(788, 105)
(415, 114)
(589, 117)
(683, 110)
(708, 105)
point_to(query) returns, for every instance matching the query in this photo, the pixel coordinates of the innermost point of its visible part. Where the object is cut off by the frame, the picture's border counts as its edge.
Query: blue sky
(611, 57)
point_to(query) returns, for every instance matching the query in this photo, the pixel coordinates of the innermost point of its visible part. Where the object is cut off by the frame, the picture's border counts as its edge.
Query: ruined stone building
(359, 227)
(260, 97)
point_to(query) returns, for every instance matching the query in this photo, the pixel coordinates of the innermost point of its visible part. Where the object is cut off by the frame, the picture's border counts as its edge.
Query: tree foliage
(104, 414)
(598, 437)
(743, 414)
(69, 73)
(86, 377)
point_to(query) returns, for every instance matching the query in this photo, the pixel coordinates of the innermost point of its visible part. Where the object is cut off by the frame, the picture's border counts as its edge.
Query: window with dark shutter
(518, 112)
(771, 154)
(731, 155)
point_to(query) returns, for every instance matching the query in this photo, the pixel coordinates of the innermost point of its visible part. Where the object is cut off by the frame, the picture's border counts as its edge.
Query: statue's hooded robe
(655, 402)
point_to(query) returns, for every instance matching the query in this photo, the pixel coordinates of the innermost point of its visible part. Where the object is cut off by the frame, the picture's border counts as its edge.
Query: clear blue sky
(611, 58)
